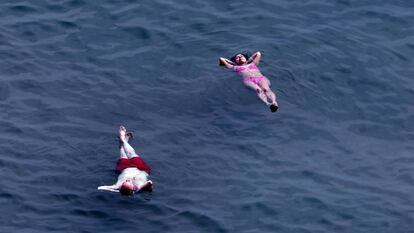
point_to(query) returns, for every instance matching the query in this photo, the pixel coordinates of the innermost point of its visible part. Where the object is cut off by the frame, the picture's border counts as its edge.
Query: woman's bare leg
(259, 91)
(265, 86)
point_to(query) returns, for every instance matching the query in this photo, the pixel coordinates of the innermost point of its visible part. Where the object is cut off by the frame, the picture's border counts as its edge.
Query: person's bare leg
(122, 138)
(128, 150)
(122, 154)
(125, 148)
(270, 96)
(122, 132)
(258, 90)
(265, 86)
(126, 137)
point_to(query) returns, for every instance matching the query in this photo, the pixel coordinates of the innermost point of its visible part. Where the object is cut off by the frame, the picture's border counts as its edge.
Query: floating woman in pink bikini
(252, 77)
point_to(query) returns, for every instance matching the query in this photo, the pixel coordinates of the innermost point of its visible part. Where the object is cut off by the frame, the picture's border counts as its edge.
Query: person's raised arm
(226, 62)
(255, 58)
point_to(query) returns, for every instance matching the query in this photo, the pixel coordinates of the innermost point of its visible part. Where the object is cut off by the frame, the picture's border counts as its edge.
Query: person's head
(127, 188)
(240, 58)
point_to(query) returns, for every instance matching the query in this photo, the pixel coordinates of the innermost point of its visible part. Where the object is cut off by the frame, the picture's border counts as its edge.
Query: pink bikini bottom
(255, 80)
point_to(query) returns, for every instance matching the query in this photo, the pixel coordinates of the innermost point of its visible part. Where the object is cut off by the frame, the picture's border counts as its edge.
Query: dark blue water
(337, 157)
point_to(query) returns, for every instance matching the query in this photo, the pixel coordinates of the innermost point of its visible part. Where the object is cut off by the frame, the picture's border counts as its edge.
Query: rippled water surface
(336, 157)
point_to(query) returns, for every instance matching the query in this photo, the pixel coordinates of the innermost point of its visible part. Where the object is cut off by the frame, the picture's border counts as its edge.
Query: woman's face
(240, 59)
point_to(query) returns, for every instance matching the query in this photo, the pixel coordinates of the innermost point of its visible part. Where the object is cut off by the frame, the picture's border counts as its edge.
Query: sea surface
(338, 156)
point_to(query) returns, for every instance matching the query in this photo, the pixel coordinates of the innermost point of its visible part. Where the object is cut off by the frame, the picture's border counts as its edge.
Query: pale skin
(133, 177)
(262, 86)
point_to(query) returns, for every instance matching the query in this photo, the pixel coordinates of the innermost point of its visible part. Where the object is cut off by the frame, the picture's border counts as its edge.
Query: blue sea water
(338, 156)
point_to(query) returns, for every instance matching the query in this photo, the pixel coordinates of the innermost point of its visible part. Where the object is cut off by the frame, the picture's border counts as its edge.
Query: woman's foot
(273, 107)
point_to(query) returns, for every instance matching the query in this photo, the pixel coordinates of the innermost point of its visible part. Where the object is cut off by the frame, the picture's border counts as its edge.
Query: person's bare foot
(122, 132)
(128, 135)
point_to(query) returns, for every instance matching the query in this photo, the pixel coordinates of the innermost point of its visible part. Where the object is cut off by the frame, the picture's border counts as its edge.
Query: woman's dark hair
(245, 54)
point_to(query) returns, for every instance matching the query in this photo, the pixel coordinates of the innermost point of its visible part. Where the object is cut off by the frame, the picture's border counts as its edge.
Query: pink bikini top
(240, 69)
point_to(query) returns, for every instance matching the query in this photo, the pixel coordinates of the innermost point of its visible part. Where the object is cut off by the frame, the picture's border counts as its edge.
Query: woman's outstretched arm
(226, 62)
